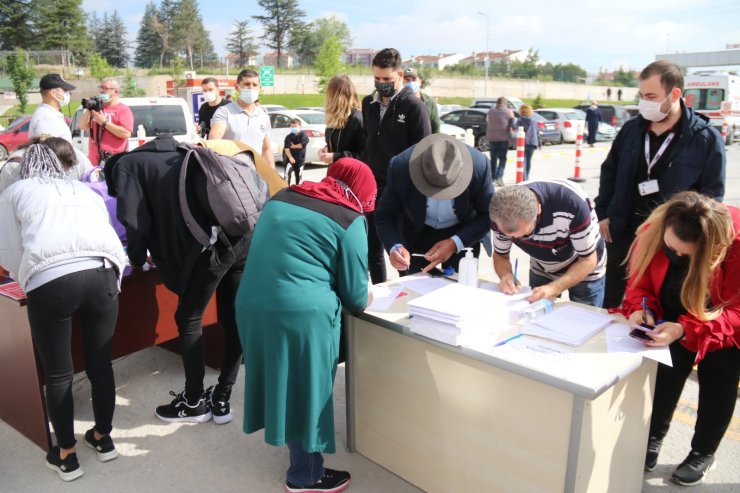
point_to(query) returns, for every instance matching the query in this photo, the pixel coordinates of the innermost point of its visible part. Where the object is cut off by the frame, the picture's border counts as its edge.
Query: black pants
(206, 278)
(93, 295)
(616, 271)
(375, 251)
(294, 169)
(719, 373)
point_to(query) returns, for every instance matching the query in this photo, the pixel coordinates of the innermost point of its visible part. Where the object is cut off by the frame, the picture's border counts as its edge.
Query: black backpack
(236, 193)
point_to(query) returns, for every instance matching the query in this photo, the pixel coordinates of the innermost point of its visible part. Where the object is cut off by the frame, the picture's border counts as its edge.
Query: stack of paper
(459, 315)
(568, 324)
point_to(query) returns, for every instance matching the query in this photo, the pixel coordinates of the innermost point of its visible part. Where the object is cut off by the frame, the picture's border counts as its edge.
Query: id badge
(648, 187)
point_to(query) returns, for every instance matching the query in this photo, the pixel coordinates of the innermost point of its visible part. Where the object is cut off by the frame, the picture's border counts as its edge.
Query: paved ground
(157, 456)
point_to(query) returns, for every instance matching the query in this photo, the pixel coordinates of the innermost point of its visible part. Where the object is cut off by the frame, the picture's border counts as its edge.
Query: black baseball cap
(52, 81)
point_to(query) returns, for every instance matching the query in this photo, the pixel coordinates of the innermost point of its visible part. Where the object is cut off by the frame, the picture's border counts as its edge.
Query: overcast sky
(595, 34)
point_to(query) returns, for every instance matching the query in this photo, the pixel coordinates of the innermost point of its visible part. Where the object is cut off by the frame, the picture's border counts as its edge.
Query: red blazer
(701, 336)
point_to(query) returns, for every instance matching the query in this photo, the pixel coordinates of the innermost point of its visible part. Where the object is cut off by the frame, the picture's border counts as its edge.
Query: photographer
(110, 122)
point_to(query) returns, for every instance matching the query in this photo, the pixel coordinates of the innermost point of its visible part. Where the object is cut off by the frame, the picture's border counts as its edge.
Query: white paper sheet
(524, 291)
(569, 325)
(383, 297)
(423, 283)
(619, 341)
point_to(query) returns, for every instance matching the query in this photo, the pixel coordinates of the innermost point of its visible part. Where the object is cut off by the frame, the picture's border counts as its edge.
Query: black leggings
(718, 373)
(93, 294)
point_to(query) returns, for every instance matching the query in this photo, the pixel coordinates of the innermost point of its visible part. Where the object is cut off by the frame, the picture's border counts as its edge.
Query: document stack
(459, 315)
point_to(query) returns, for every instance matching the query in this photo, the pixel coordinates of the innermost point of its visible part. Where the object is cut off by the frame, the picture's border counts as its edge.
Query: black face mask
(680, 261)
(385, 89)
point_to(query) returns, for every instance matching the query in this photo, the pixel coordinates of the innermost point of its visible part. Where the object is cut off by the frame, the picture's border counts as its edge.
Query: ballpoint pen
(508, 339)
(516, 268)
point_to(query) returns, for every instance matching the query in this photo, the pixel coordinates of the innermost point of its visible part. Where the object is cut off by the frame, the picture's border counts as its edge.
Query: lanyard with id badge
(649, 186)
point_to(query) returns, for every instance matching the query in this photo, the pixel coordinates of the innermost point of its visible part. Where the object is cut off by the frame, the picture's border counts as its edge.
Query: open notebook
(568, 324)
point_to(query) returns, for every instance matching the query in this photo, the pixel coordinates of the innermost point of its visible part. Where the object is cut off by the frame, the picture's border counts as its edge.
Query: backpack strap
(198, 233)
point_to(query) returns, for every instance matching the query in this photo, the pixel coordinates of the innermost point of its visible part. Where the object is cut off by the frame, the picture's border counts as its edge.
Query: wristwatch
(105, 124)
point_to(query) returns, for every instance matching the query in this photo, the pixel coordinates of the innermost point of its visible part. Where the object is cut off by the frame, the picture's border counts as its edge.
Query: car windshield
(15, 123)
(704, 99)
(312, 118)
(160, 119)
(574, 116)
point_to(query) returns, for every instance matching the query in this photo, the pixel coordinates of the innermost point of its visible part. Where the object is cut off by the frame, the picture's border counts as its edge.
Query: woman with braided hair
(58, 243)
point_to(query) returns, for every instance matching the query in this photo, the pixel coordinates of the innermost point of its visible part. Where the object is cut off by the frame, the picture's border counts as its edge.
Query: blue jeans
(528, 151)
(498, 158)
(306, 468)
(586, 292)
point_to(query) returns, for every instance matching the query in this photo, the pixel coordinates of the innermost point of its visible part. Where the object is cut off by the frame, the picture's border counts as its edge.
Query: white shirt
(50, 121)
(240, 125)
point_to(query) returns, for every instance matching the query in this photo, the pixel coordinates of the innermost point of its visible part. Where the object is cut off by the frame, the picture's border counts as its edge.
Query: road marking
(686, 413)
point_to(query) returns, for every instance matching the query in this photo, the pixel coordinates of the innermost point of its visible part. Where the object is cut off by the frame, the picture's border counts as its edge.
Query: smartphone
(639, 331)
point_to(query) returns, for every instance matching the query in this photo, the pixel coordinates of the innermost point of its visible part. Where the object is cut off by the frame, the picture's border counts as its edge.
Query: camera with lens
(93, 104)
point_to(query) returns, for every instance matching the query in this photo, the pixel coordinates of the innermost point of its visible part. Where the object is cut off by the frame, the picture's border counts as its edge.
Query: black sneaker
(653, 449)
(220, 409)
(68, 469)
(332, 481)
(181, 411)
(693, 469)
(104, 447)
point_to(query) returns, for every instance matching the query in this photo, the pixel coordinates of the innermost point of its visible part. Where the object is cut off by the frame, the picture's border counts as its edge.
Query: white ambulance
(716, 96)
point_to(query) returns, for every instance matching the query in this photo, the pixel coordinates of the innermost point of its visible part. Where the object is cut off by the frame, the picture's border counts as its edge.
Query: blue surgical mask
(413, 85)
(104, 97)
(249, 96)
(294, 130)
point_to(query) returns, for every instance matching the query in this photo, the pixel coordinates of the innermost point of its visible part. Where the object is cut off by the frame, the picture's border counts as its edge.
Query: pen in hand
(516, 268)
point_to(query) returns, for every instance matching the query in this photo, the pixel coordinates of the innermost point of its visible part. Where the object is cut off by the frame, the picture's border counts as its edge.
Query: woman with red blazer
(684, 278)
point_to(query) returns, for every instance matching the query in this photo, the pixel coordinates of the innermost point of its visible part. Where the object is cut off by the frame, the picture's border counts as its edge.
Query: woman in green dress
(308, 259)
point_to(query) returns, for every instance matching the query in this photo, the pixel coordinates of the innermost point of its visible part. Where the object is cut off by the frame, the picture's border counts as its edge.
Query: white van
(717, 96)
(157, 115)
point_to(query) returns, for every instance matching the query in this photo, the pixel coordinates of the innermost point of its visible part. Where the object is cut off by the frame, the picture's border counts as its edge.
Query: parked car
(312, 108)
(443, 109)
(313, 123)
(157, 115)
(512, 102)
(632, 109)
(567, 120)
(549, 132)
(455, 131)
(613, 114)
(470, 118)
(272, 107)
(16, 134)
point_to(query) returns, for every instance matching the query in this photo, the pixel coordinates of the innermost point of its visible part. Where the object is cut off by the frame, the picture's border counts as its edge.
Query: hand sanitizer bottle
(468, 269)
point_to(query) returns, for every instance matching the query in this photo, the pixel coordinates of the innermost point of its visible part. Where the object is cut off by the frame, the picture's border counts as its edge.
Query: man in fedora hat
(435, 203)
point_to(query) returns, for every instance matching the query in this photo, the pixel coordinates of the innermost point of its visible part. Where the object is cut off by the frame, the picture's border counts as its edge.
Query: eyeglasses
(103, 88)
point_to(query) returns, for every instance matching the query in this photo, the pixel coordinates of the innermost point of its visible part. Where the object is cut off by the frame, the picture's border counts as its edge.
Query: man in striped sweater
(554, 222)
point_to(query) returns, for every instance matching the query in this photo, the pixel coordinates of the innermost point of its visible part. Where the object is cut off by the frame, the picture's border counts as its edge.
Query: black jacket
(696, 162)
(404, 124)
(401, 212)
(348, 141)
(146, 184)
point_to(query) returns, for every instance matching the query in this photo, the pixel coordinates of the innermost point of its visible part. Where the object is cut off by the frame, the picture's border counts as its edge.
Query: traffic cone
(579, 146)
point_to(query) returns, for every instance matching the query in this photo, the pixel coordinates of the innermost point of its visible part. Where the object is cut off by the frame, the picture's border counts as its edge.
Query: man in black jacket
(395, 119)
(667, 149)
(146, 184)
(436, 204)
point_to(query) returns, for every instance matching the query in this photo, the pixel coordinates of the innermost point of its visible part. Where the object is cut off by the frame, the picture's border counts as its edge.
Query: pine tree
(163, 26)
(60, 25)
(15, 24)
(187, 29)
(148, 42)
(283, 17)
(241, 42)
(94, 30)
(306, 41)
(114, 44)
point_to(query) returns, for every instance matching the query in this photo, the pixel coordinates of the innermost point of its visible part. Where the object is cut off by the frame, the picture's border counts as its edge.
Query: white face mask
(65, 99)
(650, 110)
(249, 96)
(210, 96)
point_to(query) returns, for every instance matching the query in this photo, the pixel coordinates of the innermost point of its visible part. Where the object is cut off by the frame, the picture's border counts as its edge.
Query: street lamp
(485, 60)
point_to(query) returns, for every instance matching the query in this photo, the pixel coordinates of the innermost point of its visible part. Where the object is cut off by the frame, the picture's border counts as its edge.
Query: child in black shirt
(295, 151)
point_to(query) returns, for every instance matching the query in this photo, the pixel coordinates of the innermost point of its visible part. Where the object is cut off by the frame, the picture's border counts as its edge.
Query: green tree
(60, 25)
(163, 24)
(95, 33)
(328, 61)
(15, 24)
(113, 44)
(21, 75)
(624, 77)
(241, 42)
(283, 17)
(528, 69)
(187, 29)
(538, 103)
(99, 67)
(130, 88)
(148, 42)
(177, 67)
(306, 40)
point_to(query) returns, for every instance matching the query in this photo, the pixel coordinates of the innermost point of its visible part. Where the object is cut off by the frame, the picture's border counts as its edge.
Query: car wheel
(3, 153)
(561, 140)
(482, 144)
